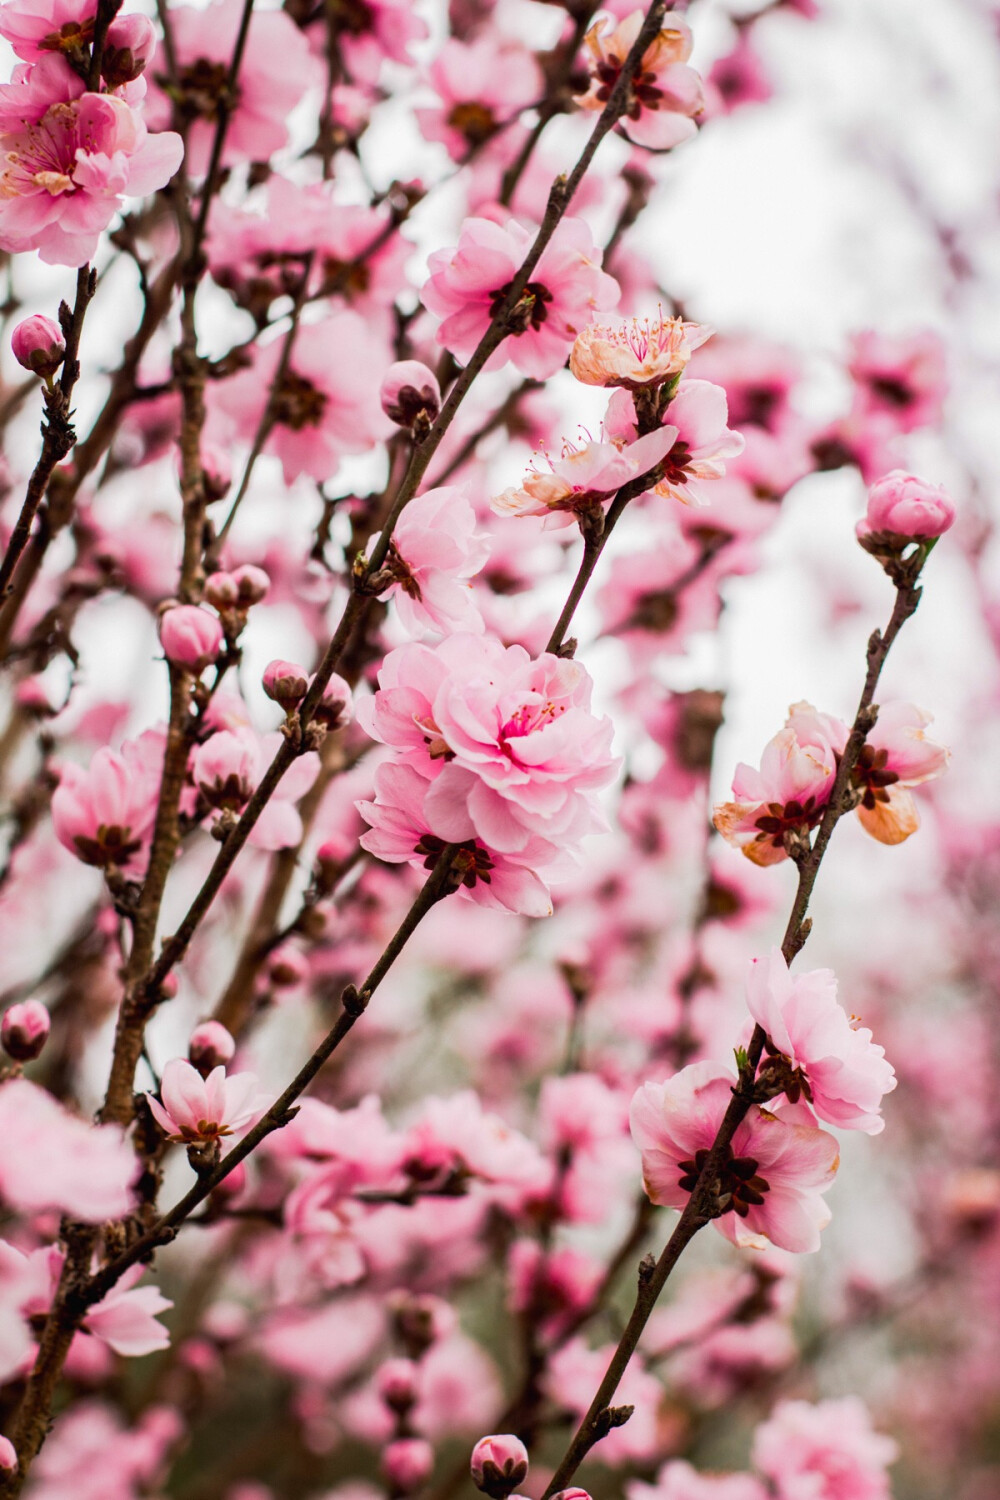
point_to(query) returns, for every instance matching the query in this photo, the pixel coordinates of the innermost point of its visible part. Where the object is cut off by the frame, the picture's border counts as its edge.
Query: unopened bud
(210, 1046)
(190, 637)
(24, 1030)
(407, 1464)
(396, 1383)
(409, 393)
(498, 1465)
(336, 706)
(38, 345)
(286, 683)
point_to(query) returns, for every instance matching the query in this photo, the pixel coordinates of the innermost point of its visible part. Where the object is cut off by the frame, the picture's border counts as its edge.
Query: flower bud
(221, 590)
(216, 472)
(287, 967)
(902, 505)
(396, 1383)
(286, 683)
(407, 1464)
(38, 345)
(24, 1030)
(8, 1454)
(190, 636)
(499, 1464)
(336, 706)
(130, 43)
(410, 391)
(210, 1046)
(573, 1493)
(252, 585)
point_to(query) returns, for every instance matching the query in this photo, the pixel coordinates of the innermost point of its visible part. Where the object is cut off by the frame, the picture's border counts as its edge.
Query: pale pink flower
(677, 1480)
(835, 1064)
(738, 78)
(400, 832)
(126, 1318)
(36, 28)
(277, 70)
(326, 405)
(825, 1450)
(583, 477)
(286, 683)
(481, 85)
(774, 1171)
(407, 1464)
(665, 95)
(435, 548)
(789, 792)
(635, 354)
(377, 30)
(226, 769)
(104, 815)
(698, 413)
(901, 378)
(190, 637)
(196, 1109)
(567, 288)
(70, 159)
(459, 1133)
(901, 505)
(51, 1159)
(896, 755)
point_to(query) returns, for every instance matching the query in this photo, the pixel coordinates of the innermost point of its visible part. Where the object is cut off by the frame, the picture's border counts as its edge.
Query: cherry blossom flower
(827, 1450)
(665, 95)
(900, 378)
(126, 1318)
(789, 792)
(738, 78)
(190, 636)
(480, 87)
(677, 1480)
(498, 1464)
(567, 288)
(38, 345)
(53, 1160)
(896, 755)
(901, 505)
(71, 158)
(196, 1109)
(435, 547)
(635, 354)
(277, 70)
(24, 1030)
(583, 477)
(409, 389)
(226, 769)
(835, 1064)
(698, 413)
(104, 815)
(774, 1170)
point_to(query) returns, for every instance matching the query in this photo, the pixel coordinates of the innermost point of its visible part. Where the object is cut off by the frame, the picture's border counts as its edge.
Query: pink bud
(336, 706)
(32, 697)
(38, 345)
(8, 1456)
(499, 1464)
(210, 1046)
(217, 472)
(221, 590)
(252, 584)
(225, 769)
(24, 1030)
(573, 1493)
(287, 968)
(905, 506)
(286, 683)
(190, 636)
(407, 1464)
(410, 390)
(396, 1383)
(131, 42)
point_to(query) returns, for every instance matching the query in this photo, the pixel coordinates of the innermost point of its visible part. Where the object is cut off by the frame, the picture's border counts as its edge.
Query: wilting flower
(635, 354)
(835, 1064)
(774, 1171)
(664, 96)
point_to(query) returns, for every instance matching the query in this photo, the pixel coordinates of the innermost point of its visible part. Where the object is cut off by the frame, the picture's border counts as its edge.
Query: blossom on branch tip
(200, 1110)
(635, 354)
(582, 478)
(902, 506)
(664, 96)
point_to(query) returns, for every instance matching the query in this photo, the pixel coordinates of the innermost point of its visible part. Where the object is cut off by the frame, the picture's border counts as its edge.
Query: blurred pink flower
(825, 1450)
(53, 1160)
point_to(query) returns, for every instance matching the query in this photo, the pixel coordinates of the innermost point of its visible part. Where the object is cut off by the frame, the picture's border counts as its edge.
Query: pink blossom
(24, 1030)
(407, 1464)
(677, 1480)
(105, 814)
(584, 477)
(835, 1064)
(53, 1160)
(896, 755)
(459, 1132)
(664, 97)
(698, 413)
(196, 1109)
(226, 769)
(498, 1464)
(480, 86)
(738, 78)
(190, 636)
(789, 792)
(902, 505)
(38, 345)
(126, 1318)
(277, 69)
(410, 391)
(773, 1173)
(900, 378)
(635, 354)
(825, 1450)
(36, 28)
(325, 406)
(566, 289)
(71, 157)
(435, 548)
(286, 683)
(402, 833)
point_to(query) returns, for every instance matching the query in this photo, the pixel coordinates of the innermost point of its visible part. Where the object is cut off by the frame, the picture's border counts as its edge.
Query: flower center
(71, 36)
(112, 846)
(738, 1187)
(470, 861)
(790, 817)
(532, 308)
(871, 774)
(201, 88)
(473, 120)
(298, 403)
(893, 390)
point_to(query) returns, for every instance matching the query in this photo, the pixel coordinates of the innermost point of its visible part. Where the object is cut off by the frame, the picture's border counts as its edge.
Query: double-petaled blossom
(70, 159)
(566, 290)
(104, 814)
(902, 506)
(51, 1159)
(635, 354)
(773, 1173)
(582, 478)
(786, 797)
(199, 1110)
(480, 86)
(824, 1451)
(435, 549)
(832, 1062)
(277, 69)
(698, 413)
(664, 96)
